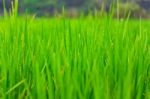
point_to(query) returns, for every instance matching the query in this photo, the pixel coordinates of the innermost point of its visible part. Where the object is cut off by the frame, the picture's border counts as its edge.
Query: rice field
(84, 58)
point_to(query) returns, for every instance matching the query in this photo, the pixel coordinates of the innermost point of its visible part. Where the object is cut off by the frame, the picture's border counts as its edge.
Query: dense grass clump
(64, 58)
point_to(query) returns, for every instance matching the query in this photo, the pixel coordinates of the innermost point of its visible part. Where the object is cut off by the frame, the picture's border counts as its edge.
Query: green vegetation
(137, 8)
(74, 58)
(84, 58)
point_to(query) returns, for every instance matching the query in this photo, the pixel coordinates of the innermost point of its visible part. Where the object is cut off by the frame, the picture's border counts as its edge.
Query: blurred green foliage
(75, 7)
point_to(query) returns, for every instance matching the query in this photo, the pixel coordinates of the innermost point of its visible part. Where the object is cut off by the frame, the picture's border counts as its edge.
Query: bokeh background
(74, 8)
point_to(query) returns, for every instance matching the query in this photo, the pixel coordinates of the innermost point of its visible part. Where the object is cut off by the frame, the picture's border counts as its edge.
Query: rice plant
(84, 58)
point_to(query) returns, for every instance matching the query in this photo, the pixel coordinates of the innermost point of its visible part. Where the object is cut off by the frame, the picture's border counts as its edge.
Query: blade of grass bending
(15, 86)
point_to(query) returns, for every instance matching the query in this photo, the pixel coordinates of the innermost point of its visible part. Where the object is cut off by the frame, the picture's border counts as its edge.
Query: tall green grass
(74, 58)
(84, 58)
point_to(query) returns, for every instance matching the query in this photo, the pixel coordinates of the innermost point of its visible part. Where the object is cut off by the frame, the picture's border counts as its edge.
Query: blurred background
(75, 8)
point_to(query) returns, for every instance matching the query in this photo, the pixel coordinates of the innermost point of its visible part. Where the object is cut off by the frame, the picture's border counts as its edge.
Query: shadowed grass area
(63, 58)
